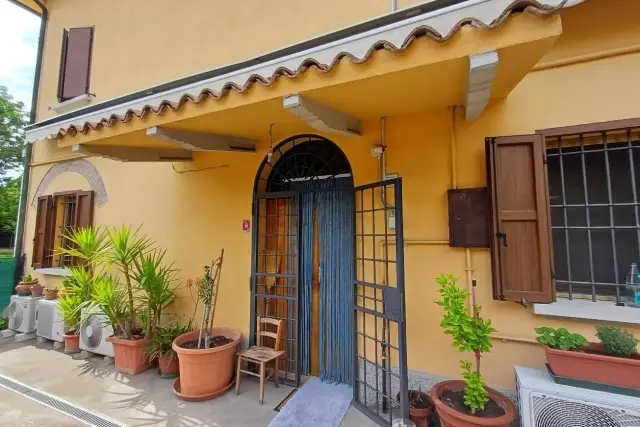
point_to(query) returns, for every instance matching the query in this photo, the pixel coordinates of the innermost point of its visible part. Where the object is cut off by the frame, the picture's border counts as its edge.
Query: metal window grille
(66, 224)
(595, 218)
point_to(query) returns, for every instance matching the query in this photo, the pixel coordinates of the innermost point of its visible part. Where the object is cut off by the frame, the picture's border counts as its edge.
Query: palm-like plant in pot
(469, 402)
(130, 286)
(206, 356)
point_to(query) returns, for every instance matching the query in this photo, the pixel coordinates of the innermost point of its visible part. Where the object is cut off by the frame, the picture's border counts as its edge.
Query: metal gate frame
(389, 309)
(256, 276)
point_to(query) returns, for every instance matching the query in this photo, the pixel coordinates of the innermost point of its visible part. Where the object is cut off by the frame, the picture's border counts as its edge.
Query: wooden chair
(261, 355)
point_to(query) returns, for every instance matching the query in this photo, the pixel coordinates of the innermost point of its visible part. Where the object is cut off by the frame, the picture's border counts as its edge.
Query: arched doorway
(303, 255)
(327, 259)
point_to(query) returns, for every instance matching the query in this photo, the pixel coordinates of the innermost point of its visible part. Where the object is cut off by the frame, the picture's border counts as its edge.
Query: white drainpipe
(394, 5)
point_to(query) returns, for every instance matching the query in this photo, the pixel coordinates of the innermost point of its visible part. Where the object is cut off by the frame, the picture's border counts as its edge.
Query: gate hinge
(553, 275)
(544, 159)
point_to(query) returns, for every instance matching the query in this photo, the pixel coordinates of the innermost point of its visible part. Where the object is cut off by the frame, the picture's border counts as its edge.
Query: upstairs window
(75, 63)
(56, 217)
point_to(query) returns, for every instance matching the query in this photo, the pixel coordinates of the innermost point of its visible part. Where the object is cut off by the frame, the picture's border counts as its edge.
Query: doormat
(315, 404)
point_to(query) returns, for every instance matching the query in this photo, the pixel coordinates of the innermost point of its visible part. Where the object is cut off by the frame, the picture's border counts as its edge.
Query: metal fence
(7, 280)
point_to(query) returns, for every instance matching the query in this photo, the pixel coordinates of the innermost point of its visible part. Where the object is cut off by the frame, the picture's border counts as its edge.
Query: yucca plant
(88, 244)
(72, 302)
(125, 246)
(111, 299)
(154, 280)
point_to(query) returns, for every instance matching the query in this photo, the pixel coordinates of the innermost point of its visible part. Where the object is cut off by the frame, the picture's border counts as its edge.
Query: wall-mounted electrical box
(469, 217)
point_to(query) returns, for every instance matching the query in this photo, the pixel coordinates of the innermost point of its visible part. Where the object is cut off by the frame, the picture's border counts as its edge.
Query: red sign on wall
(246, 225)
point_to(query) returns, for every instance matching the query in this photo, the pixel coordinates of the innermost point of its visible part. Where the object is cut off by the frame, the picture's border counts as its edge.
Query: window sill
(588, 310)
(72, 104)
(53, 271)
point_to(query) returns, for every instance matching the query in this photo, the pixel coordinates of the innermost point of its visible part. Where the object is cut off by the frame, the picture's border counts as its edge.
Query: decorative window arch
(80, 166)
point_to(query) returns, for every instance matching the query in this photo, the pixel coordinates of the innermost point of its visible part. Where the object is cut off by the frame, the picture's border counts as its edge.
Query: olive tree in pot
(469, 402)
(206, 356)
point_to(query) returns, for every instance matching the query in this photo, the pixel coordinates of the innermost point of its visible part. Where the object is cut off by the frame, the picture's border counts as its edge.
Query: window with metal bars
(56, 217)
(593, 198)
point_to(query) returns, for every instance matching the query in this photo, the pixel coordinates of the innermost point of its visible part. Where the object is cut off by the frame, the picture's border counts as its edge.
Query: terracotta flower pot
(450, 417)
(168, 365)
(129, 355)
(37, 289)
(71, 343)
(24, 288)
(51, 294)
(420, 417)
(205, 373)
(593, 365)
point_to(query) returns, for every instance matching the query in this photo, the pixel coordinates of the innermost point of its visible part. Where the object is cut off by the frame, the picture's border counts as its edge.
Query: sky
(19, 32)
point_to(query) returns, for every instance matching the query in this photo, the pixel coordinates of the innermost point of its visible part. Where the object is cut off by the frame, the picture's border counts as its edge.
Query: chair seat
(260, 354)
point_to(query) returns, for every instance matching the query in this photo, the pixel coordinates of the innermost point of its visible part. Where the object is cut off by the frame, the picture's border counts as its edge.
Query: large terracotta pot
(449, 417)
(590, 366)
(205, 373)
(24, 288)
(71, 343)
(168, 365)
(420, 417)
(37, 290)
(129, 355)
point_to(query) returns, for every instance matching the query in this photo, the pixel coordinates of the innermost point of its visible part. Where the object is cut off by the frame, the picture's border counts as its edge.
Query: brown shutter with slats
(42, 236)
(84, 209)
(521, 251)
(75, 63)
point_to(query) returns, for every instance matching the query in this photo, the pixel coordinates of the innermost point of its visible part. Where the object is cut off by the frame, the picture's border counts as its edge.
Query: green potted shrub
(159, 347)
(614, 361)
(70, 304)
(26, 283)
(469, 402)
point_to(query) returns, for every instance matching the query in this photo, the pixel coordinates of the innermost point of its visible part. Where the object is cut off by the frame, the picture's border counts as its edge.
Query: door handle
(503, 236)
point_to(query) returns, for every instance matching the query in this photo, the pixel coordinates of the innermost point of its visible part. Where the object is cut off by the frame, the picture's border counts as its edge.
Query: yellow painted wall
(193, 215)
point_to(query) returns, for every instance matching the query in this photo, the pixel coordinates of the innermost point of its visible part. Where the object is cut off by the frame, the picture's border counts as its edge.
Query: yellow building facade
(557, 66)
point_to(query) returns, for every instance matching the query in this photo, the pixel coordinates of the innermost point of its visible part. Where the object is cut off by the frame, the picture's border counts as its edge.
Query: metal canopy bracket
(134, 154)
(482, 72)
(201, 141)
(321, 117)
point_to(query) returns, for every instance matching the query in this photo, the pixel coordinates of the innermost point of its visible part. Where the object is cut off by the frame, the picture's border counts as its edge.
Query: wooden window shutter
(521, 251)
(84, 209)
(42, 236)
(75, 63)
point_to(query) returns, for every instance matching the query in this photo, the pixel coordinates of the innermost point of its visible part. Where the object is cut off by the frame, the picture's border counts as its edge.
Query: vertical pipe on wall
(394, 5)
(468, 267)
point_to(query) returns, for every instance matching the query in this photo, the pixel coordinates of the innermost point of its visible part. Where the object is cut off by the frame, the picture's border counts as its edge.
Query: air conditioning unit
(49, 321)
(22, 313)
(94, 330)
(543, 403)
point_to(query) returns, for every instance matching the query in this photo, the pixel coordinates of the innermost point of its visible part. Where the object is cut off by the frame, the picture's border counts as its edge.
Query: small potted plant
(614, 361)
(159, 347)
(50, 292)
(469, 402)
(25, 284)
(70, 305)
(206, 356)
(420, 406)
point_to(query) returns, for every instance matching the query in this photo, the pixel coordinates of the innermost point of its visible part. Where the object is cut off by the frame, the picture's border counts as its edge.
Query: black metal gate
(380, 352)
(275, 267)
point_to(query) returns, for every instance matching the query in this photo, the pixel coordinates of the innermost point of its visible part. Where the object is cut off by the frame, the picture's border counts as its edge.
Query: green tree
(9, 199)
(12, 122)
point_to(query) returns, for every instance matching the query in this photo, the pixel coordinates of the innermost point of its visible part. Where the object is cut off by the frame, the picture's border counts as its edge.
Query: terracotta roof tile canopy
(439, 21)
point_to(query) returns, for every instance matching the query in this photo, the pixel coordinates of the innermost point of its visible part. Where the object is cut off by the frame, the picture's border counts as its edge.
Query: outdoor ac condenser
(49, 321)
(22, 313)
(543, 403)
(94, 330)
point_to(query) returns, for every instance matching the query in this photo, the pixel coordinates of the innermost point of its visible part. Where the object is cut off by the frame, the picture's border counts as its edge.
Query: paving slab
(141, 400)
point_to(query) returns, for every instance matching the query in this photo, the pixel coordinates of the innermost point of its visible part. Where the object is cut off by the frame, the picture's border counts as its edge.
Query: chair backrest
(261, 332)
